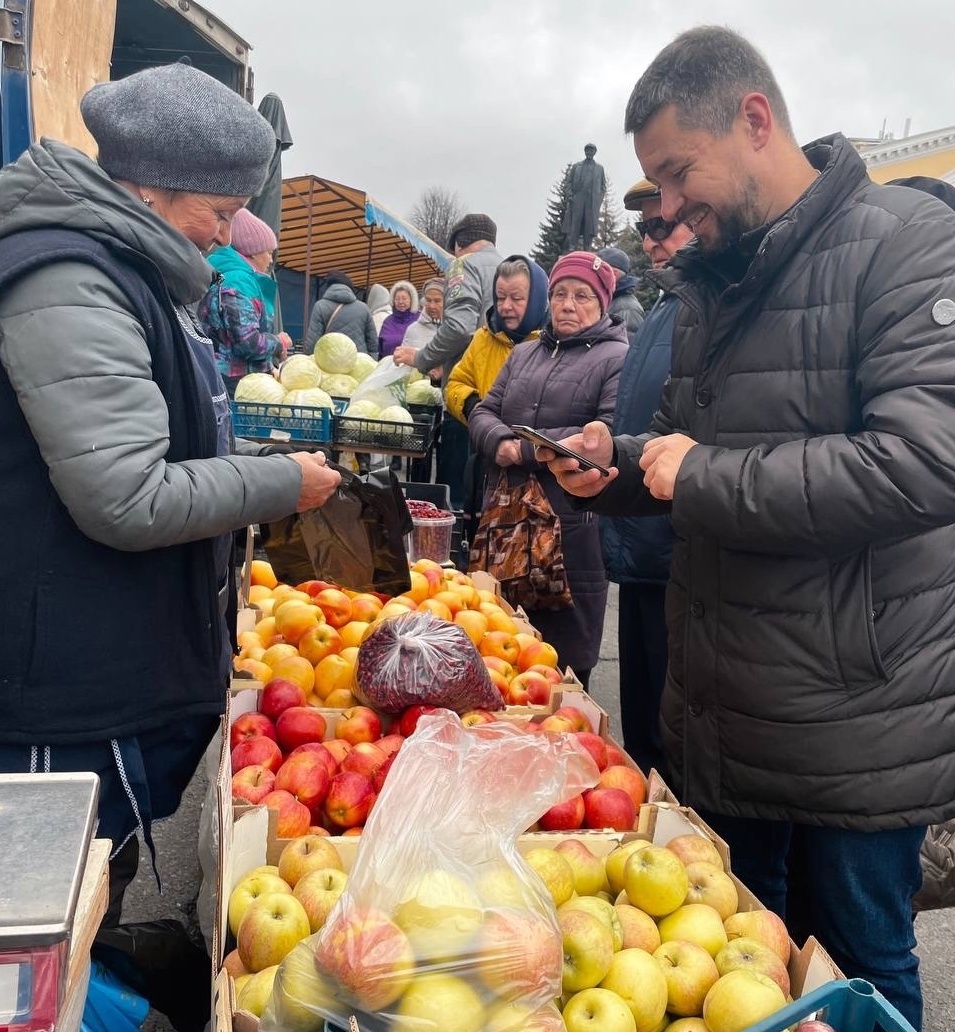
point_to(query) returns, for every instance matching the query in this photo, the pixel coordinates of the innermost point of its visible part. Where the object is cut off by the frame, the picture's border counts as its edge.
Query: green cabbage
(309, 397)
(299, 372)
(339, 385)
(396, 414)
(335, 353)
(364, 366)
(422, 393)
(260, 387)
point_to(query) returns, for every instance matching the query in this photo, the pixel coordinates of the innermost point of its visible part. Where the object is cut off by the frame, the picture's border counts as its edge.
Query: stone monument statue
(587, 186)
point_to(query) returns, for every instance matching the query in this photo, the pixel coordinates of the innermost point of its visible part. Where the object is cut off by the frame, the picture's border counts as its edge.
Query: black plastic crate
(383, 434)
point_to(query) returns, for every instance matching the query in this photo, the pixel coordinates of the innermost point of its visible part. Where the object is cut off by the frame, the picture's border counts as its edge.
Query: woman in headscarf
(123, 483)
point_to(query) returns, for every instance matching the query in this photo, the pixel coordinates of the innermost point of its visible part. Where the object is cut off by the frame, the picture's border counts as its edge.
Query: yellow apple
(272, 925)
(588, 949)
(589, 873)
(518, 954)
(690, 973)
(712, 885)
(499, 885)
(308, 853)
(638, 980)
(740, 999)
(441, 914)
(688, 1025)
(693, 848)
(752, 955)
(599, 908)
(655, 880)
(616, 861)
(318, 891)
(598, 1010)
(695, 922)
(440, 1001)
(248, 889)
(554, 871)
(302, 994)
(256, 992)
(764, 925)
(639, 929)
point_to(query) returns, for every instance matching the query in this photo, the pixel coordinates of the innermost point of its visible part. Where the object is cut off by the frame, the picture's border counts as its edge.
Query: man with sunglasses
(637, 550)
(805, 449)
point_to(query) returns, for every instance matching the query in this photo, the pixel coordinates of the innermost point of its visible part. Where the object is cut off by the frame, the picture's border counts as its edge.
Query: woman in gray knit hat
(122, 481)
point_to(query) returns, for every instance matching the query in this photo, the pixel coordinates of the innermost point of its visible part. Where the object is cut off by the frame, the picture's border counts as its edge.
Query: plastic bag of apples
(441, 923)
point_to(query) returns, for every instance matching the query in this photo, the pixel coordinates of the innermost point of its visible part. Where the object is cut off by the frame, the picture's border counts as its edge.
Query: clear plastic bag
(387, 384)
(419, 659)
(442, 925)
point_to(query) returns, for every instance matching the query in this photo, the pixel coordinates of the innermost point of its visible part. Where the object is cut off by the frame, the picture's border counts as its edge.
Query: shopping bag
(519, 542)
(386, 384)
(356, 539)
(111, 1006)
(938, 869)
(440, 914)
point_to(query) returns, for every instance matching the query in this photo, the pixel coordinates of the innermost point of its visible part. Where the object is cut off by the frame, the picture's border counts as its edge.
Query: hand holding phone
(539, 439)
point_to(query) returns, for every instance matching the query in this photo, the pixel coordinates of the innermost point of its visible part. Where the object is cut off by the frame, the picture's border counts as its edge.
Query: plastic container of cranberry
(431, 536)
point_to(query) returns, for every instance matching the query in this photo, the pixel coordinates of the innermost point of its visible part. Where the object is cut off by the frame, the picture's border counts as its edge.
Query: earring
(148, 201)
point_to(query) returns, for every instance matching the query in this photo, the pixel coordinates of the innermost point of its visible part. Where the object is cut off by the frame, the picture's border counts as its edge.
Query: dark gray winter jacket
(339, 311)
(811, 605)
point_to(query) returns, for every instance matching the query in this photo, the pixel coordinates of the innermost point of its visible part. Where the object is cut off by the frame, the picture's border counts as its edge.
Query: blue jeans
(857, 895)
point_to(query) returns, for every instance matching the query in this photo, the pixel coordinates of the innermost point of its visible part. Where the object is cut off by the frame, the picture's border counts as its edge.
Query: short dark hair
(705, 72)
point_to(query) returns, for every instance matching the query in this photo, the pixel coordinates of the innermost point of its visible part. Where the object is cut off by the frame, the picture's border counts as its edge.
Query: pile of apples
(309, 633)
(281, 758)
(650, 939)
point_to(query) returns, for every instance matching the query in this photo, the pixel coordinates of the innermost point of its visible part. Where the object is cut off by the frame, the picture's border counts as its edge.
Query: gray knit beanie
(178, 128)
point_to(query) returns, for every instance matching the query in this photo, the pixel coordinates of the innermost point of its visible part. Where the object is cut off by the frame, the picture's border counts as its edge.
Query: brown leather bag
(518, 541)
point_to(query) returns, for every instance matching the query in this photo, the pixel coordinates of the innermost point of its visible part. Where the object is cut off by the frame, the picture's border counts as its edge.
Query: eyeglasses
(656, 229)
(578, 297)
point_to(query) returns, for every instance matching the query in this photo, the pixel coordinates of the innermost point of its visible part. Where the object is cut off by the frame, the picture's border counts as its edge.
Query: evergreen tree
(609, 220)
(550, 243)
(631, 242)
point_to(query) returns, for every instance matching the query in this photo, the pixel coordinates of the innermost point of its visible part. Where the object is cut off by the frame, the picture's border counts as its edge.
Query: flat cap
(641, 191)
(175, 127)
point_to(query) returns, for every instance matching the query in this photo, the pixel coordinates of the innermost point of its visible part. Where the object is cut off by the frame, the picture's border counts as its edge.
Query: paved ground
(176, 838)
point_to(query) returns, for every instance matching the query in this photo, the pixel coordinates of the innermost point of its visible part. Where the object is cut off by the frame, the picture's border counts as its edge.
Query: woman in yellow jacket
(519, 312)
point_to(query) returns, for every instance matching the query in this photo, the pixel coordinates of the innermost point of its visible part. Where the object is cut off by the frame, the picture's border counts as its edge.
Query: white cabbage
(339, 385)
(422, 393)
(415, 375)
(335, 353)
(260, 387)
(364, 409)
(309, 397)
(396, 414)
(364, 366)
(299, 372)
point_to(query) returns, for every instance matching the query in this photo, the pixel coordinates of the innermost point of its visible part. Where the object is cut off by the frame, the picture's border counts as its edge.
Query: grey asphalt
(179, 868)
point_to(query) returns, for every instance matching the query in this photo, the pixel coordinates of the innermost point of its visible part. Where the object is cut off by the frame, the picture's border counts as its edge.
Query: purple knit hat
(250, 235)
(589, 267)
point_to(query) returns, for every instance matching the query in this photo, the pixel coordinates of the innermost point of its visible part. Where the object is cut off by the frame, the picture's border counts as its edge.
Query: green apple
(598, 1010)
(712, 885)
(318, 892)
(588, 949)
(256, 992)
(655, 880)
(764, 925)
(638, 980)
(554, 871)
(691, 848)
(439, 1001)
(639, 929)
(752, 955)
(599, 908)
(441, 915)
(272, 925)
(616, 861)
(690, 973)
(250, 888)
(695, 922)
(740, 999)
(589, 874)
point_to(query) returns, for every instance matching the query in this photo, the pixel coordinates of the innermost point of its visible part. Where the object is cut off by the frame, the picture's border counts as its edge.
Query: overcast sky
(493, 97)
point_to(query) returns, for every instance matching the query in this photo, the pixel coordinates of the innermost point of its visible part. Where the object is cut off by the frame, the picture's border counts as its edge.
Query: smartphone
(537, 438)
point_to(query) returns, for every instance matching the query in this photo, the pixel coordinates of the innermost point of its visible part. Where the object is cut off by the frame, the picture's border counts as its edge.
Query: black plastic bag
(356, 539)
(158, 960)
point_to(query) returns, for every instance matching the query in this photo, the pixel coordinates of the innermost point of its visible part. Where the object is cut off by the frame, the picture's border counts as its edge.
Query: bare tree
(435, 212)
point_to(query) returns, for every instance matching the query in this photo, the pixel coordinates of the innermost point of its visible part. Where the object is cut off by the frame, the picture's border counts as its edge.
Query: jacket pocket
(853, 622)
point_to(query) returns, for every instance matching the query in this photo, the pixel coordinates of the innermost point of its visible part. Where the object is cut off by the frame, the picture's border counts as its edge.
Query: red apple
(358, 724)
(319, 642)
(258, 750)
(250, 725)
(298, 725)
(313, 587)
(294, 817)
(814, 1026)
(390, 743)
(564, 816)
(562, 725)
(609, 808)
(350, 798)
(319, 750)
(336, 606)
(339, 749)
(551, 673)
(364, 758)
(382, 772)
(538, 687)
(594, 744)
(477, 716)
(580, 720)
(306, 777)
(627, 778)
(517, 694)
(616, 757)
(408, 720)
(253, 783)
(278, 695)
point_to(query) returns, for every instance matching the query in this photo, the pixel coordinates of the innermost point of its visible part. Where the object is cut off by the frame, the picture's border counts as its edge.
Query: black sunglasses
(656, 229)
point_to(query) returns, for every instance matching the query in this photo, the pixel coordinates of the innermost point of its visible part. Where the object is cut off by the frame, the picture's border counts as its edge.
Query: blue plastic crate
(269, 422)
(851, 1006)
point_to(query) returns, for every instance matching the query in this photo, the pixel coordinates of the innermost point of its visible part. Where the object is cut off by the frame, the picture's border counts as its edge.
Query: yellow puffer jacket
(477, 370)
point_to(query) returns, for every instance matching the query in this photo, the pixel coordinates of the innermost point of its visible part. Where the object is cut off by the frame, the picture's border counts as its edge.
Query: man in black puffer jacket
(805, 449)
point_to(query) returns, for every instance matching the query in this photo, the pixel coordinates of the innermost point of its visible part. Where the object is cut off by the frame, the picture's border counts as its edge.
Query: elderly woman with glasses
(556, 384)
